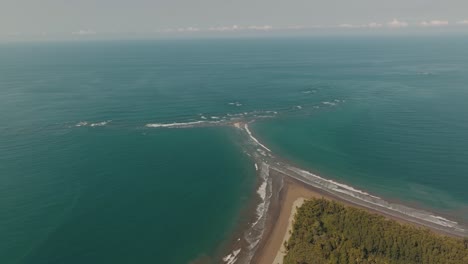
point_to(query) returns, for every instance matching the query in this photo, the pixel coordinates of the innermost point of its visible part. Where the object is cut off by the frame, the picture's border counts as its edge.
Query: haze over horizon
(27, 19)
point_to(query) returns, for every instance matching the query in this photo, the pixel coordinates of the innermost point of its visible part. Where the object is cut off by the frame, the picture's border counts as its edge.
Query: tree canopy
(328, 232)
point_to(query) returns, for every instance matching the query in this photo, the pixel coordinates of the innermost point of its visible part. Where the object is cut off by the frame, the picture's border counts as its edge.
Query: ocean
(94, 170)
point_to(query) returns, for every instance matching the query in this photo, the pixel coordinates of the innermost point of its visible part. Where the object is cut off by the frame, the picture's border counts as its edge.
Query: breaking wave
(254, 139)
(232, 257)
(179, 125)
(98, 124)
(265, 163)
(264, 192)
(216, 120)
(367, 200)
(235, 104)
(103, 123)
(81, 123)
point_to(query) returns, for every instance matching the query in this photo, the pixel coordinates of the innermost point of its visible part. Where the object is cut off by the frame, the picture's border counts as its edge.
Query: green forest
(328, 232)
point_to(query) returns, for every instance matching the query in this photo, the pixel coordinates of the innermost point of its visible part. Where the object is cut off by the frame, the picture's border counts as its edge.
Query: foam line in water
(98, 124)
(82, 123)
(335, 187)
(232, 258)
(103, 123)
(235, 103)
(246, 126)
(329, 103)
(254, 234)
(177, 125)
(355, 195)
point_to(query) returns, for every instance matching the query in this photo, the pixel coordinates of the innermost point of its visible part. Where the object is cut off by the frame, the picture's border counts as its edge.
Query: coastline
(293, 195)
(281, 184)
(260, 234)
(272, 251)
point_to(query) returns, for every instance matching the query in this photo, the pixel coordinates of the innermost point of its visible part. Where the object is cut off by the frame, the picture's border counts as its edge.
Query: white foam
(254, 244)
(214, 117)
(256, 167)
(235, 115)
(85, 123)
(232, 258)
(264, 191)
(344, 186)
(329, 103)
(262, 207)
(262, 152)
(82, 123)
(103, 123)
(367, 198)
(298, 107)
(235, 103)
(177, 125)
(203, 117)
(254, 139)
(263, 116)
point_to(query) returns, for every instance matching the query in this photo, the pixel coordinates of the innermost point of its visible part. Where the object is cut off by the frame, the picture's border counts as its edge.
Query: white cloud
(166, 30)
(347, 26)
(397, 24)
(225, 28)
(188, 29)
(434, 23)
(239, 28)
(266, 27)
(370, 25)
(463, 22)
(296, 27)
(374, 25)
(83, 32)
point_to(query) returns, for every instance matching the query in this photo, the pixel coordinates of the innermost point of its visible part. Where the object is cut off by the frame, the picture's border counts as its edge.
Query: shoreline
(259, 236)
(273, 251)
(294, 194)
(283, 183)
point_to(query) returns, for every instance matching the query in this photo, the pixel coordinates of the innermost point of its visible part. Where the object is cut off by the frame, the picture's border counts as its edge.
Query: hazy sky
(94, 17)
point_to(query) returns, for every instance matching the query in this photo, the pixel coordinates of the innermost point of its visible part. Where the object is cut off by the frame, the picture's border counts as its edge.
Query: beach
(292, 196)
(282, 187)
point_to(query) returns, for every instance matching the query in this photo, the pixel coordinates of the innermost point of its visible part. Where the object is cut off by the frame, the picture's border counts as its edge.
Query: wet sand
(289, 188)
(293, 195)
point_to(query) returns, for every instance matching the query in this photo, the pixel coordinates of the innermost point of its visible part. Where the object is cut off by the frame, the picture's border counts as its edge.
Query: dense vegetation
(327, 232)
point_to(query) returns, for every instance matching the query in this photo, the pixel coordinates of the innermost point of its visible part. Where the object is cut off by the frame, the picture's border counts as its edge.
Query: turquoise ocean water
(82, 180)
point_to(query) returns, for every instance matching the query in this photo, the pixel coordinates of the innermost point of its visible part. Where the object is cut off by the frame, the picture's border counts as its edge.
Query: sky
(94, 18)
